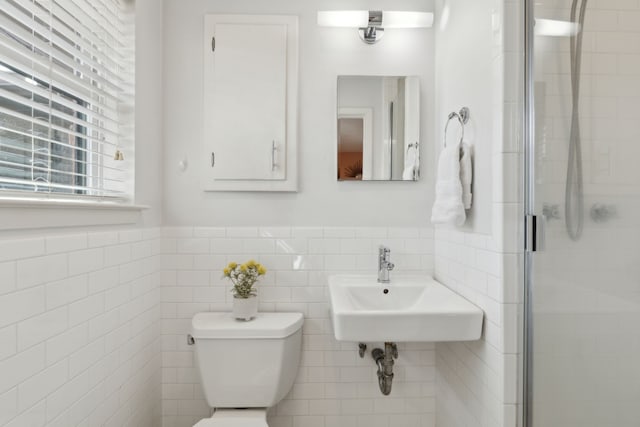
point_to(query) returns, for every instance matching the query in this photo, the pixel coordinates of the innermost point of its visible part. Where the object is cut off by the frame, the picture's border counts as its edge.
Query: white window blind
(66, 97)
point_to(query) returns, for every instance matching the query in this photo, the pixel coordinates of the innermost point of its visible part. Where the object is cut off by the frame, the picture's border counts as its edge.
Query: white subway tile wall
(334, 387)
(90, 346)
(477, 381)
(80, 329)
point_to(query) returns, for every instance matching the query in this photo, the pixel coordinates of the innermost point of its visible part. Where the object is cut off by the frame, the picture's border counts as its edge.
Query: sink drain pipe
(384, 360)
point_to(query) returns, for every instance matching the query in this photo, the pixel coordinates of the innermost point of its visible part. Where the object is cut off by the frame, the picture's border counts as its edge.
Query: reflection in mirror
(355, 143)
(378, 128)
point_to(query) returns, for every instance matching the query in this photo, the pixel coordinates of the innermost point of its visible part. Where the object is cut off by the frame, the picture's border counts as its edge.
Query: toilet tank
(247, 364)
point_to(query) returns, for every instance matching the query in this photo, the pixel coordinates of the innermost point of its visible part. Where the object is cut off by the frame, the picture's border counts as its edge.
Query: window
(66, 97)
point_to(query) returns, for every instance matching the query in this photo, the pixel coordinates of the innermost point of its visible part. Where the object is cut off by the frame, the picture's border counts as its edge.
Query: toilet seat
(235, 418)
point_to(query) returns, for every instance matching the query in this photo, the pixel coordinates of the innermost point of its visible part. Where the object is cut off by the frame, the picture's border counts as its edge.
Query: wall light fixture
(554, 28)
(372, 23)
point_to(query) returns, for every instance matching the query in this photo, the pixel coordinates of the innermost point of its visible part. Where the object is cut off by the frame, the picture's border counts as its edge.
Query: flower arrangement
(243, 277)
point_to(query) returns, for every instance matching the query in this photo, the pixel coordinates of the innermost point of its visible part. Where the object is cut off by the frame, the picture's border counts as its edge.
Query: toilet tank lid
(264, 325)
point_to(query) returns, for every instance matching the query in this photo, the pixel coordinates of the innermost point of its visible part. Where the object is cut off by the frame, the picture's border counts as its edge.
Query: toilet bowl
(248, 365)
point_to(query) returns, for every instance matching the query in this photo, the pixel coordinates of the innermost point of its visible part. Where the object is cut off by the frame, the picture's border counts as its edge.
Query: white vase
(245, 308)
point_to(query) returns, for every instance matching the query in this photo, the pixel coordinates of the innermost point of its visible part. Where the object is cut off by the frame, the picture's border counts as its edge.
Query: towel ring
(463, 119)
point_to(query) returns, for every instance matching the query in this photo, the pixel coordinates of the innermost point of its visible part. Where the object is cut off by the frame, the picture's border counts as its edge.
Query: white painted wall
(478, 66)
(149, 100)
(324, 54)
(465, 78)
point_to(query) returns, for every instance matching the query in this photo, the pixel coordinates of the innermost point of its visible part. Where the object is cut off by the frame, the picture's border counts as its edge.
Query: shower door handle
(534, 234)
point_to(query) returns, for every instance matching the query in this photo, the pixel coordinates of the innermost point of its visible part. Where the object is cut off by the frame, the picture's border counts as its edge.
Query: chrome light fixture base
(372, 23)
(373, 31)
(371, 35)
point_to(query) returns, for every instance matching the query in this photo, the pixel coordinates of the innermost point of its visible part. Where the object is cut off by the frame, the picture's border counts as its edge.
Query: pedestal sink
(408, 309)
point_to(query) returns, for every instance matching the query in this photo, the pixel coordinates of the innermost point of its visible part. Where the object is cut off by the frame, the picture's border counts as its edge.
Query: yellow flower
(261, 270)
(226, 271)
(232, 265)
(251, 263)
(243, 268)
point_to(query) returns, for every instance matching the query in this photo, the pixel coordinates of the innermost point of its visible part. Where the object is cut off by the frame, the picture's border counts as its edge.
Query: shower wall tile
(80, 329)
(334, 386)
(508, 188)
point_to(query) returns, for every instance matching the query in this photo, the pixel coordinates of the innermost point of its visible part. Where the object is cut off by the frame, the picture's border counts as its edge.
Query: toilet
(246, 367)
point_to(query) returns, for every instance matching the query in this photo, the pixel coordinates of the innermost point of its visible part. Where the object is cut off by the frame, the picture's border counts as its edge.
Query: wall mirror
(378, 128)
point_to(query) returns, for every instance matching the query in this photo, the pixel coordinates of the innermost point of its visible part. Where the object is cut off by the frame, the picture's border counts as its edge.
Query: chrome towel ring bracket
(463, 119)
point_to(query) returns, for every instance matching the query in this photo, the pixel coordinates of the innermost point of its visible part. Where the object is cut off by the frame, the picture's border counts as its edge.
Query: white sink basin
(415, 308)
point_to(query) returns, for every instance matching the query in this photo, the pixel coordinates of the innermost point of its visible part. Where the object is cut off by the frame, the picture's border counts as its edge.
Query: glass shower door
(583, 318)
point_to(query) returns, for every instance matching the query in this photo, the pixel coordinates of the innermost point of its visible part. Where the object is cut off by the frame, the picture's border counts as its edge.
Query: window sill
(25, 213)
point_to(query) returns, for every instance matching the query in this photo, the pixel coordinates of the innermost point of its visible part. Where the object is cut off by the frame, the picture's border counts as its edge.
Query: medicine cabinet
(250, 97)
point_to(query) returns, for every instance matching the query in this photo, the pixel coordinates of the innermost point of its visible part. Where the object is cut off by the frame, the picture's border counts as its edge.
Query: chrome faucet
(384, 265)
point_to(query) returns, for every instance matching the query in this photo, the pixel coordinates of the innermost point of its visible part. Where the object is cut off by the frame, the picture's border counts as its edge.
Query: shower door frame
(529, 211)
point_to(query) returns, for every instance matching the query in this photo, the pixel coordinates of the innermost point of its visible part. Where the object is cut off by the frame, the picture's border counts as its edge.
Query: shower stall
(582, 168)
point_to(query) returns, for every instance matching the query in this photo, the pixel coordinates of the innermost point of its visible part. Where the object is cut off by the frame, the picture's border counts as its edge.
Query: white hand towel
(466, 174)
(448, 207)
